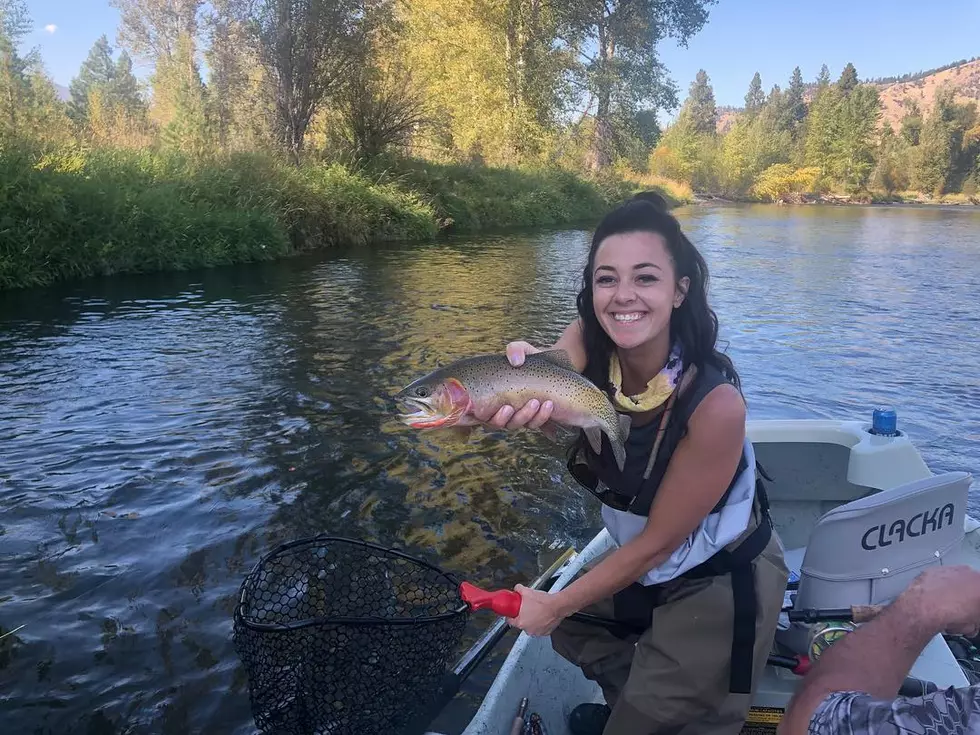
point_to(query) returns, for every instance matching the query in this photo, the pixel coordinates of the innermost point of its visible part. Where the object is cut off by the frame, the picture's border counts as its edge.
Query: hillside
(726, 117)
(921, 87)
(965, 78)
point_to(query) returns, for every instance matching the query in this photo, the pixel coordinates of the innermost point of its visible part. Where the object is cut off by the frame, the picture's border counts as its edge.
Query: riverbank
(909, 198)
(80, 213)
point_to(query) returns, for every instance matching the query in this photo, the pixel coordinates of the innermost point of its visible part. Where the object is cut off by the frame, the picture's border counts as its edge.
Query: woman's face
(635, 288)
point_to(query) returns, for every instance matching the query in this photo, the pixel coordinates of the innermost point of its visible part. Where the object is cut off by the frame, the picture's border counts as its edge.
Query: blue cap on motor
(884, 421)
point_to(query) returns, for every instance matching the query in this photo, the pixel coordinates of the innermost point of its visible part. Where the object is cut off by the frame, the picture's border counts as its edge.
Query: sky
(741, 37)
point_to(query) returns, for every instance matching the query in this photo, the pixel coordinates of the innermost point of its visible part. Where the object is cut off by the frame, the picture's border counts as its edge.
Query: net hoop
(340, 636)
(251, 579)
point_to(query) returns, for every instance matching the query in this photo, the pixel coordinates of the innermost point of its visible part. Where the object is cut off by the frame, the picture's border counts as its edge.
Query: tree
(534, 66)
(948, 147)
(14, 84)
(239, 98)
(124, 87)
(821, 131)
(891, 171)
(701, 108)
(151, 29)
(911, 123)
(98, 70)
(495, 76)
(380, 107)
(848, 78)
(624, 73)
(29, 106)
(853, 144)
(755, 98)
(795, 105)
(823, 78)
(308, 47)
(179, 104)
(15, 21)
(224, 59)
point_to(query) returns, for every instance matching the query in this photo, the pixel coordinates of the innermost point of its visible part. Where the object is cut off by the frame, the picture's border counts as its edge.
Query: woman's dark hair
(694, 323)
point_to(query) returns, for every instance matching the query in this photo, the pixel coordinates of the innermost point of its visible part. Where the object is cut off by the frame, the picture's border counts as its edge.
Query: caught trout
(451, 396)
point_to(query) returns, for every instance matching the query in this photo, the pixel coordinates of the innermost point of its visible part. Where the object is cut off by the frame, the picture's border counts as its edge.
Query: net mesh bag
(341, 636)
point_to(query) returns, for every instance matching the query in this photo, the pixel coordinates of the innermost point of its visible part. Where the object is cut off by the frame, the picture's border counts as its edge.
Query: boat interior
(859, 514)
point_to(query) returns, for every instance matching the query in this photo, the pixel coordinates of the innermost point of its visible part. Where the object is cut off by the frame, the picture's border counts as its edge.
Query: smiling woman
(696, 561)
(633, 297)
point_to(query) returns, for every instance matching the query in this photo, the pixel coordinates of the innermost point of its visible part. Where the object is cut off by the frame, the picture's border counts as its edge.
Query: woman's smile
(628, 317)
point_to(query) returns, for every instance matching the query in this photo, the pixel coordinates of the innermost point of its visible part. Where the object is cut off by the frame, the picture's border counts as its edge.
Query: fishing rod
(854, 614)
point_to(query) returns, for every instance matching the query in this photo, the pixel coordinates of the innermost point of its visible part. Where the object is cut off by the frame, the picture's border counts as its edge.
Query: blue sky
(880, 38)
(741, 37)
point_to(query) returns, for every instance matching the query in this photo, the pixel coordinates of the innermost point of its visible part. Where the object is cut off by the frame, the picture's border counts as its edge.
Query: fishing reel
(822, 635)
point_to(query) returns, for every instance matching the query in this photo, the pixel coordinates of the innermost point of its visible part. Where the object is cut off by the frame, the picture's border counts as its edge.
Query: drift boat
(860, 515)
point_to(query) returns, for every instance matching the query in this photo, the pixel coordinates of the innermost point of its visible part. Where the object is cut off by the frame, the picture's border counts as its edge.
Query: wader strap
(744, 598)
(738, 564)
(743, 628)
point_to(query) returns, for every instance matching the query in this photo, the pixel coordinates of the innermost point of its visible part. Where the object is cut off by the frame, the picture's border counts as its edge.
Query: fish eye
(422, 391)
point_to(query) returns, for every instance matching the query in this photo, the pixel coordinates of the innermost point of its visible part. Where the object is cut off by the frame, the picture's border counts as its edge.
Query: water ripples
(161, 432)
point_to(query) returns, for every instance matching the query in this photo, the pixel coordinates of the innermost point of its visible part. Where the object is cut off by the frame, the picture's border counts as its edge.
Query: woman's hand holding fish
(539, 613)
(533, 414)
(517, 351)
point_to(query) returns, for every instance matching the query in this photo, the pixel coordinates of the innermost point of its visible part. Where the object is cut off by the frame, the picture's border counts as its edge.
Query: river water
(158, 433)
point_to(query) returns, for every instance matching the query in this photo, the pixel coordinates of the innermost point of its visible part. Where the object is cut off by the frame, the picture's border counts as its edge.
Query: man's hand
(948, 598)
(877, 656)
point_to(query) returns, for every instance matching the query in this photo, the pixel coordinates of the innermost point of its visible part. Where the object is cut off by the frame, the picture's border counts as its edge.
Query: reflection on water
(161, 432)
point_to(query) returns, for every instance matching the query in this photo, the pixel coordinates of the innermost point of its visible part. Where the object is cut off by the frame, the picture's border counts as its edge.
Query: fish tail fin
(617, 437)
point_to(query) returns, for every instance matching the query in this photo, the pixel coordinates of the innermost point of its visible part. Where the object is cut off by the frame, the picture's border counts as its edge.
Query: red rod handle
(502, 602)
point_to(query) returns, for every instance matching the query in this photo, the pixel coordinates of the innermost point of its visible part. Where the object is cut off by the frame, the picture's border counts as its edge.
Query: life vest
(718, 546)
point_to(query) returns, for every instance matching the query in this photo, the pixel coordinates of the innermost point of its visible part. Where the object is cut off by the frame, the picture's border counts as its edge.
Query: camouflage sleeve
(946, 712)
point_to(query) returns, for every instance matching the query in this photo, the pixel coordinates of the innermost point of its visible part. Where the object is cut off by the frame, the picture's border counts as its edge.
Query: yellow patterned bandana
(658, 389)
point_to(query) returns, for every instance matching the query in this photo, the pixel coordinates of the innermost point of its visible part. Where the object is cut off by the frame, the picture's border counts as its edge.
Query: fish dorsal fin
(557, 357)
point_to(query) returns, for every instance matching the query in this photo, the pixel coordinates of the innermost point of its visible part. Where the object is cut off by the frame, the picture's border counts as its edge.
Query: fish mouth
(418, 414)
(410, 408)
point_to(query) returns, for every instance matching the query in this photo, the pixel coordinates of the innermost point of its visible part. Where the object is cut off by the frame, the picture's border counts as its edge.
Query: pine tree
(795, 105)
(755, 98)
(848, 78)
(179, 105)
(124, 89)
(853, 144)
(820, 132)
(98, 70)
(823, 78)
(701, 109)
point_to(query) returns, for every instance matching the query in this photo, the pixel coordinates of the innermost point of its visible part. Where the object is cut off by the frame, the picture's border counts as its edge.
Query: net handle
(502, 602)
(508, 604)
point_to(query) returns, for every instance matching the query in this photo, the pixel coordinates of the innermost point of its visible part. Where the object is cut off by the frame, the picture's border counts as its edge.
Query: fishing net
(341, 636)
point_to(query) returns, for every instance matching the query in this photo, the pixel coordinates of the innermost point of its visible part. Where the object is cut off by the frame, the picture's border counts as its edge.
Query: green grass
(78, 213)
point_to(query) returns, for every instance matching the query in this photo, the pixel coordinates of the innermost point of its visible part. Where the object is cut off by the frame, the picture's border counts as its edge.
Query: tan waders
(676, 677)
